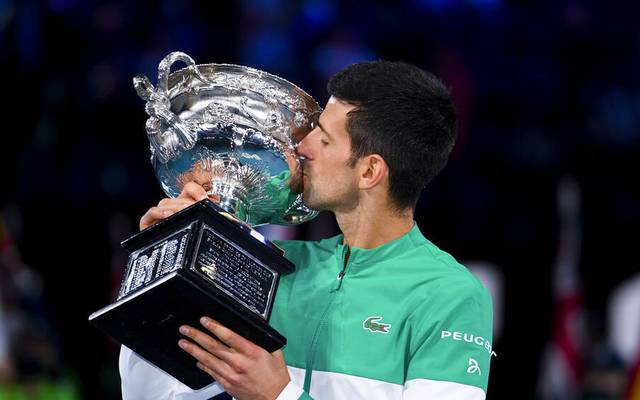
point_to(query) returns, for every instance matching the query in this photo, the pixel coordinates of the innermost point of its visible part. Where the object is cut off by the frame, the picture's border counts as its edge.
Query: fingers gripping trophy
(233, 130)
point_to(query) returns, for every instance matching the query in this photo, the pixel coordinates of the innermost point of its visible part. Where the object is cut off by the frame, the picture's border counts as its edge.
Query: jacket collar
(360, 257)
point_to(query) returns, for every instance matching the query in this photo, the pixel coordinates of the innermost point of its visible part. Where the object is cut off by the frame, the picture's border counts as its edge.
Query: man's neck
(369, 227)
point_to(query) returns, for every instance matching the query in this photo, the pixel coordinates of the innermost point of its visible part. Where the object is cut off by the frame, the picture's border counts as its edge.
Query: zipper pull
(345, 258)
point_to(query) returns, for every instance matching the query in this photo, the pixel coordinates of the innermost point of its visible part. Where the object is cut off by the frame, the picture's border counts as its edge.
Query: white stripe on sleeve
(142, 380)
(445, 390)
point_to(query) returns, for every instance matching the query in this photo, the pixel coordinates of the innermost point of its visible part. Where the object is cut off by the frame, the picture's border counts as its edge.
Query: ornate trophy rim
(210, 69)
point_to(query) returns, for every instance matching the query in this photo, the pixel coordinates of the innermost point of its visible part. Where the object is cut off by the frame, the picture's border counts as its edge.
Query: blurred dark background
(548, 95)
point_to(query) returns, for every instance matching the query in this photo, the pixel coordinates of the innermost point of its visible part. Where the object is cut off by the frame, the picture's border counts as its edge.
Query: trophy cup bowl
(232, 129)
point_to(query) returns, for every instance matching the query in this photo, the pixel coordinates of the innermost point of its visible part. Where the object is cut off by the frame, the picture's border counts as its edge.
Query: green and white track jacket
(401, 321)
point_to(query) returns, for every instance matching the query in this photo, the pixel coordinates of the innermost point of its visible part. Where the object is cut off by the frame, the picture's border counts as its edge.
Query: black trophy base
(195, 263)
(147, 322)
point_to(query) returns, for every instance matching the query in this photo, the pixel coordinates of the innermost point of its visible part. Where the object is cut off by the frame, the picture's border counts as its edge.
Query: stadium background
(548, 97)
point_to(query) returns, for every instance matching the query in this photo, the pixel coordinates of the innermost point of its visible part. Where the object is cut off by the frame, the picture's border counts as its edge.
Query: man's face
(329, 182)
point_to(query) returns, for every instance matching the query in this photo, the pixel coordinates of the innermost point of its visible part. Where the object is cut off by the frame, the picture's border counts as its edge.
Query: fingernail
(182, 343)
(184, 330)
(205, 321)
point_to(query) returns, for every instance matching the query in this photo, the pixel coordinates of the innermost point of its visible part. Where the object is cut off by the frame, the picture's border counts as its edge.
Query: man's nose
(303, 147)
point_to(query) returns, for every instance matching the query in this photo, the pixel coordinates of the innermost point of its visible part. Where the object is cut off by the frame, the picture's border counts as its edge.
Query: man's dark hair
(402, 113)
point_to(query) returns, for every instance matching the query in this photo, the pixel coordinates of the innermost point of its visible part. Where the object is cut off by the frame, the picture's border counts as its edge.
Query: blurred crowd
(539, 198)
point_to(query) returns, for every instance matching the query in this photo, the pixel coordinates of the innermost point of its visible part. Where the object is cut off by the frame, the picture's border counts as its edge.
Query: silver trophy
(231, 127)
(233, 130)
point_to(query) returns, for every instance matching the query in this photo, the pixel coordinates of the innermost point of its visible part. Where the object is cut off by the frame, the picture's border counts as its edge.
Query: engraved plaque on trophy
(229, 128)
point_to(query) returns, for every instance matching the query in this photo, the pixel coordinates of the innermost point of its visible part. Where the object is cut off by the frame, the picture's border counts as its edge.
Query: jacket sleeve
(451, 344)
(142, 380)
(293, 392)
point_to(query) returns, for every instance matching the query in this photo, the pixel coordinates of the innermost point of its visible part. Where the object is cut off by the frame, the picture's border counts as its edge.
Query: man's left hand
(244, 369)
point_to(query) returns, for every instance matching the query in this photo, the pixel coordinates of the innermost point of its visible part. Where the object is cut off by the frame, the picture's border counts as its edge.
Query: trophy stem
(229, 204)
(232, 197)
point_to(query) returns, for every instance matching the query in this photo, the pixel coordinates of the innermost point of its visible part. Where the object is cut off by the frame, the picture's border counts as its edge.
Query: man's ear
(373, 170)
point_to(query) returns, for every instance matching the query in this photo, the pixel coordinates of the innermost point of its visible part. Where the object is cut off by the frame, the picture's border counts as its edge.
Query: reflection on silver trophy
(233, 130)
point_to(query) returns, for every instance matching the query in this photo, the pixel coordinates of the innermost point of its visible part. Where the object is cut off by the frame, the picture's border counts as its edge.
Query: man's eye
(324, 143)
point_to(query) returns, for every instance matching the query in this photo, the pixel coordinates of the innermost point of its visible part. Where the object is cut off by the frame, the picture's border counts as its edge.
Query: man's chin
(307, 199)
(312, 203)
(296, 183)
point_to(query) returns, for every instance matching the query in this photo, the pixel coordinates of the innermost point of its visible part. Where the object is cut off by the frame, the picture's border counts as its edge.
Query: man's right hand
(191, 193)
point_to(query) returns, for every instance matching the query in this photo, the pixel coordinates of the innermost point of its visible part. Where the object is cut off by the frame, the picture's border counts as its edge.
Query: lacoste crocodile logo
(374, 325)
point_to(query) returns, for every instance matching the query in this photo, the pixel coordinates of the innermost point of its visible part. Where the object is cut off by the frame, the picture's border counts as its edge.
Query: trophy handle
(168, 134)
(143, 87)
(165, 68)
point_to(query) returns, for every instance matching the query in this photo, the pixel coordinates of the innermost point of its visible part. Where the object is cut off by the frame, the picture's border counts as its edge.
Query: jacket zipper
(323, 322)
(345, 261)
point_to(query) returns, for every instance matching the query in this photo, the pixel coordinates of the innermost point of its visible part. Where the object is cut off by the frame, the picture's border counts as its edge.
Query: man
(378, 311)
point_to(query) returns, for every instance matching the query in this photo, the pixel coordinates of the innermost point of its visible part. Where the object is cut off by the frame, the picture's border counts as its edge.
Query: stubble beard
(311, 199)
(296, 182)
(308, 197)
(332, 199)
